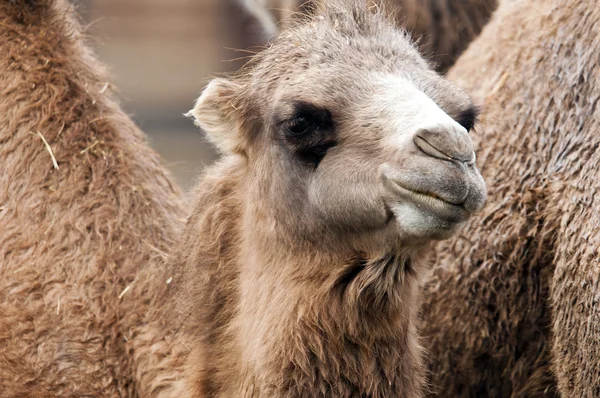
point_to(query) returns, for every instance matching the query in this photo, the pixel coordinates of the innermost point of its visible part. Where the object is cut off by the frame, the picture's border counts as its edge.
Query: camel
(443, 28)
(344, 158)
(87, 214)
(513, 309)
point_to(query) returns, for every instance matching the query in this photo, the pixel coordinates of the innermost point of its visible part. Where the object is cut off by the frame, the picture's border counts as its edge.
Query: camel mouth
(429, 202)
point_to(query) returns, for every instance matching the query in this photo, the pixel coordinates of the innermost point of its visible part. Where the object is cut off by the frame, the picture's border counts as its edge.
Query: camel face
(428, 172)
(348, 133)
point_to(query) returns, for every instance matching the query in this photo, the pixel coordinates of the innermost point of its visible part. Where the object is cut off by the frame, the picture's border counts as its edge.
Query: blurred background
(161, 54)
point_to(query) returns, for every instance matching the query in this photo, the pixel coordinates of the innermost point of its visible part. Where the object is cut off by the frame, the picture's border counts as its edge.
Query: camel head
(348, 137)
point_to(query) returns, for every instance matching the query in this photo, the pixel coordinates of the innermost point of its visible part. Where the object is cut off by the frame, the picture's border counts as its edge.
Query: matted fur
(443, 28)
(81, 245)
(515, 310)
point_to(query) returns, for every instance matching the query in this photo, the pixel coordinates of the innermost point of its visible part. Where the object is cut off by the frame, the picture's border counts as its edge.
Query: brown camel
(443, 28)
(87, 213)
(345, 156)
(514, 312)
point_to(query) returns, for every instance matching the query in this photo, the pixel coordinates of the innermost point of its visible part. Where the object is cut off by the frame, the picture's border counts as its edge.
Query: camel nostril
(445, 142)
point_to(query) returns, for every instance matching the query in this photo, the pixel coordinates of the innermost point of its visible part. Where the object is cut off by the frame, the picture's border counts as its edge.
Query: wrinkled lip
(428, 202)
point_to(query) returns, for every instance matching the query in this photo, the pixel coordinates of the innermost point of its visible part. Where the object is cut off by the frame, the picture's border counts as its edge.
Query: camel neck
(288, 320)
(321, 333)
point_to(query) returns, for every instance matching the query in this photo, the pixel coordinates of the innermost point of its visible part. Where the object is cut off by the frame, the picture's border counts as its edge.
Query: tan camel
(307, 241)
(345, 156)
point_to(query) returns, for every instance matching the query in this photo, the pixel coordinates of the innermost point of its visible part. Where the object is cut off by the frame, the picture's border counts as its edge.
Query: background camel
(514, 312)
(443, 28)
(344, 157)
(86, 215)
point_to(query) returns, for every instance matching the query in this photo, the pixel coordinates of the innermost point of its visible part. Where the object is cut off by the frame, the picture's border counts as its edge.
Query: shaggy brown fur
(444, 28)
(82, 240)
(297, 274)
(515, 312)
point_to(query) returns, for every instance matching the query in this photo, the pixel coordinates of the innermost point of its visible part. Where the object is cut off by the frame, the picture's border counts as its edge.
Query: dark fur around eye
(314, 155)
(301, 125)
(468, 118)
(309, 132)
(307, 120)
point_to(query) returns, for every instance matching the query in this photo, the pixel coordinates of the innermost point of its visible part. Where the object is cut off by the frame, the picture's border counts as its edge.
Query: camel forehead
(318, 46)
(336, 68)
(324, 44)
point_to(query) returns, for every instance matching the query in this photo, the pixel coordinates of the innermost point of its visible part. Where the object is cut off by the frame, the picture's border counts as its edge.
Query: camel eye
(468, 118)
(310, 133)
(306, 121)
(301, 125)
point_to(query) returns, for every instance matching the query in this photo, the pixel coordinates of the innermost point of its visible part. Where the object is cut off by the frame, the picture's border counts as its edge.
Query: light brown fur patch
(82, 244)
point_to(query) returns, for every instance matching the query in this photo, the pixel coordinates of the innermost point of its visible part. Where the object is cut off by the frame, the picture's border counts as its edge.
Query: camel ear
(215, 113)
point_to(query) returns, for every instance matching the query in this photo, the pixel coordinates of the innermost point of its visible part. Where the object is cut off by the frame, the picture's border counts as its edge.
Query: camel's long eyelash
(307, 119)
(468, 118)
(318, 114)
(302, 124)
